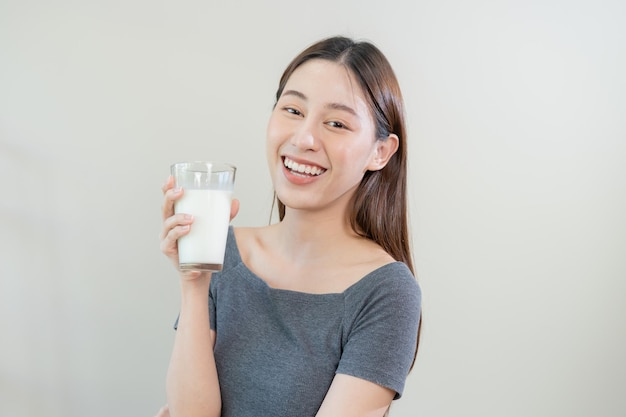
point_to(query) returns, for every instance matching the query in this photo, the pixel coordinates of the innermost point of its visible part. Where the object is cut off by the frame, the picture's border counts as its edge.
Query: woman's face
(320, 137)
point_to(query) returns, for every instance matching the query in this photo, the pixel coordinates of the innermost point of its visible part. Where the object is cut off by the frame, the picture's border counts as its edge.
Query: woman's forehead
(321, 79)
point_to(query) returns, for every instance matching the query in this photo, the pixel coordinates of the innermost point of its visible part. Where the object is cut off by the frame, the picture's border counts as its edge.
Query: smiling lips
(302, 169)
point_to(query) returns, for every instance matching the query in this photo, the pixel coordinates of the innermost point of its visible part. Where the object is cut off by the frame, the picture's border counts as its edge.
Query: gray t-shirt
(277, 351)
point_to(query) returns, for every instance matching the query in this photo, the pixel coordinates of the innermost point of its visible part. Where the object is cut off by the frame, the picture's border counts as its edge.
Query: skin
(322, 121)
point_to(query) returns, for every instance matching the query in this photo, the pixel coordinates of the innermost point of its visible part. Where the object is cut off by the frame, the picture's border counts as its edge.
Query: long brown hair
(379, 207)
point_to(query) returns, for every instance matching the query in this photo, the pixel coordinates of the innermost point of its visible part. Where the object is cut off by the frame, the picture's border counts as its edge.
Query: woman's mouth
(302, 169)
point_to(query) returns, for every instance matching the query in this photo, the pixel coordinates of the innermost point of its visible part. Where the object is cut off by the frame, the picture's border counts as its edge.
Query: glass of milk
(207, 193)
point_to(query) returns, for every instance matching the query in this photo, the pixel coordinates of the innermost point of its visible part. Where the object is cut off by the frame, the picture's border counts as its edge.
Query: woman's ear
(383, 152)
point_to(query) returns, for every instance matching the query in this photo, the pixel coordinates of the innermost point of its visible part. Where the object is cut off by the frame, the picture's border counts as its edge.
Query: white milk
(206, 241)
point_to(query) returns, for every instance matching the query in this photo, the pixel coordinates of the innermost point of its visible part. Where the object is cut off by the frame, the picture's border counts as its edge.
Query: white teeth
(302, 168)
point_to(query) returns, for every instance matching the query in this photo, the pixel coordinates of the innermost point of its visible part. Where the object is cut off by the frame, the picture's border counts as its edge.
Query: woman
(318, 314)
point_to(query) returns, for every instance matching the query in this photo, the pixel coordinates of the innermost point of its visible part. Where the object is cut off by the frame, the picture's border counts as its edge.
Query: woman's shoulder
(391, 277)
(368, 261)
(246, 233)
(389, 291)
(248, 239)
(251, 244)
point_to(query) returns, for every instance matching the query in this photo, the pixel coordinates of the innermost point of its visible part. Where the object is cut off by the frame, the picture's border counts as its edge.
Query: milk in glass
(203, 247)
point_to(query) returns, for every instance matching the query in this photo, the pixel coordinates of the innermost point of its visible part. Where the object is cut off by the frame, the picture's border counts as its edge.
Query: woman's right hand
(174, 225)
(177, 225)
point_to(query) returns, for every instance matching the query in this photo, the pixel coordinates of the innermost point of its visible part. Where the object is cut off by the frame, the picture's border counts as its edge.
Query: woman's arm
(192, 384)
(349, 396)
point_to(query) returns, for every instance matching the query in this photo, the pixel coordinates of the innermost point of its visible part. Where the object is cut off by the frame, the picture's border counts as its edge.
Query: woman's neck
(310, 235)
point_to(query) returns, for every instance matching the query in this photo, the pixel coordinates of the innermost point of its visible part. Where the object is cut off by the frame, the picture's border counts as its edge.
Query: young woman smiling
(319, 313)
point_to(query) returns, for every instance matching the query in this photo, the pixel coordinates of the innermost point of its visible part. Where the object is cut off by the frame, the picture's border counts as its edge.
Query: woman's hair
(379, 206)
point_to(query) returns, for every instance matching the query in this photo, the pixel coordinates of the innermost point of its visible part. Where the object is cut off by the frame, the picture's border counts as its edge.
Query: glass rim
(225, 166)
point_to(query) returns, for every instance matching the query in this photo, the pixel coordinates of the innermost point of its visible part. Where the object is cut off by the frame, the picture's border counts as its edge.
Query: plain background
(517, 192)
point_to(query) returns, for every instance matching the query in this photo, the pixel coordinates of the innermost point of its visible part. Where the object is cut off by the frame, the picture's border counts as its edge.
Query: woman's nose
(305, 138)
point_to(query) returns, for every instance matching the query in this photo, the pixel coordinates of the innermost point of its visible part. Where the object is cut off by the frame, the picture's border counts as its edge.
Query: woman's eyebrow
(342, 107)
(334, 106)
(294, 93)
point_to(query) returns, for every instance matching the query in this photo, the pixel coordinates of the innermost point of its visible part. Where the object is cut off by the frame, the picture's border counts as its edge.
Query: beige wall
(518, 191)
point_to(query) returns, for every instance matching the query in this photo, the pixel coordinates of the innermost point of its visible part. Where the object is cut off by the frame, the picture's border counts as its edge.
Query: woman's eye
(338, 125)
(293, 111)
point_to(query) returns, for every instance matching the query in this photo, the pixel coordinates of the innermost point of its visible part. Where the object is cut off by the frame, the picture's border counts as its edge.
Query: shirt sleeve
(380, 332)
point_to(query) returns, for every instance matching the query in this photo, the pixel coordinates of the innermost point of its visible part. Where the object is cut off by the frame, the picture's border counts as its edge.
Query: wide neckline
(361, 281)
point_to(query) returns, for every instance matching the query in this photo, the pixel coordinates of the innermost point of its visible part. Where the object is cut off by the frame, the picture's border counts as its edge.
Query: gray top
(277, 351)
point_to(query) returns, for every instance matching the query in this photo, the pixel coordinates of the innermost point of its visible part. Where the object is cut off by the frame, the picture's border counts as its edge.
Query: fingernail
(177, 190)
(188, 217)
